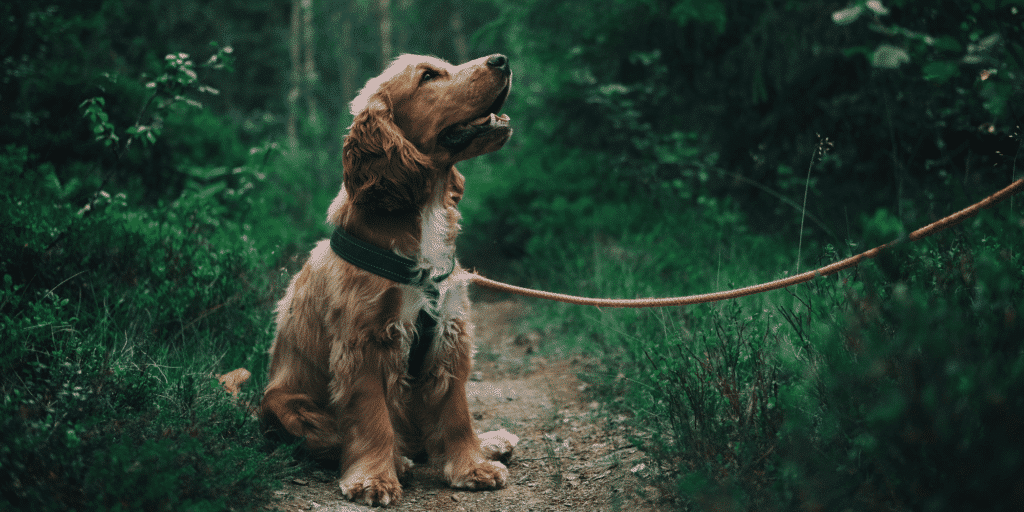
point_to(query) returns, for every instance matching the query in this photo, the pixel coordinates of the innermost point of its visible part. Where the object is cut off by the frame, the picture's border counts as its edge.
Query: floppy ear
(383, 170)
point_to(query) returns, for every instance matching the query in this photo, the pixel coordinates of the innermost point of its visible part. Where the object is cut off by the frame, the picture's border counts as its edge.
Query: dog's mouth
(459, 135)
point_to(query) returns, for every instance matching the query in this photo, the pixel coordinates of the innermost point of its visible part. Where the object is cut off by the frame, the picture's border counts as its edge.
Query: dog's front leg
(368, 459)
(448, 427)
(465, 465)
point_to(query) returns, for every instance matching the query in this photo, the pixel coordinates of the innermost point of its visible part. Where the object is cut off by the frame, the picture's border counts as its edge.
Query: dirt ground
(570, 457)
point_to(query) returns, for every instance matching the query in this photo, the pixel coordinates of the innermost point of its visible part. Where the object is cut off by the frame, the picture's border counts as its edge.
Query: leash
(852, 261)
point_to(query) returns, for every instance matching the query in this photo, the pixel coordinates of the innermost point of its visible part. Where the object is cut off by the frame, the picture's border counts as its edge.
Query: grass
(114, 322)
(802, 398)
(895, 386)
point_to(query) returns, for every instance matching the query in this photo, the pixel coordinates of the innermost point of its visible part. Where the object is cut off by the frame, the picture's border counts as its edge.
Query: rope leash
(852, 261)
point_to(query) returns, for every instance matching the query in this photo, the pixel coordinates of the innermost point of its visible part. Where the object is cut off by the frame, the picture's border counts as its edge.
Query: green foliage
(919, 390)
(894, 386)
(104, 310)
(983, 53)
(145, 211)
(116, 313)
(85, 436)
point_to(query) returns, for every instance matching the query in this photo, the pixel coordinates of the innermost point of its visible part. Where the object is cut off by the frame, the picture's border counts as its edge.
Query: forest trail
(568, 458)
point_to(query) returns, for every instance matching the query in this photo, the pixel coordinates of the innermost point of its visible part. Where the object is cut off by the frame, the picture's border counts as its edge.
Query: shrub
(920, 391)
(116, 312)
(894, 386)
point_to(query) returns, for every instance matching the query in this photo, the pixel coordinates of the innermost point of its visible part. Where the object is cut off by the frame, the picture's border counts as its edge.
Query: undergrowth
(142, 248)
(119, 304)
(892, 386)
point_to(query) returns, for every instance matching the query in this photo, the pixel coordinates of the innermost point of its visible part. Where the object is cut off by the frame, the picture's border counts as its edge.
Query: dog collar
(381, 262)
(401, 270)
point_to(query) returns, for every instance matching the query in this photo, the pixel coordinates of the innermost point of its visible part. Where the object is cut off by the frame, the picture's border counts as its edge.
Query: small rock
(455, 497)
(476, 376)
(530, 340)
(299, 481)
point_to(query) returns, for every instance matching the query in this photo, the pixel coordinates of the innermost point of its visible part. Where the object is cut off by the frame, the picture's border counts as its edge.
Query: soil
(570, 457)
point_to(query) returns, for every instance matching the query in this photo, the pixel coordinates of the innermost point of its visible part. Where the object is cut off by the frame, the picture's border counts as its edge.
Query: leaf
(848, 15)
(877, 7)
(940, 71)
(948, 43)
(207, 174)
(996, 96)
(887, 56)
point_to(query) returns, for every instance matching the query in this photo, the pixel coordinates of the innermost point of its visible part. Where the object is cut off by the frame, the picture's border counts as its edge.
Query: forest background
(167, 164)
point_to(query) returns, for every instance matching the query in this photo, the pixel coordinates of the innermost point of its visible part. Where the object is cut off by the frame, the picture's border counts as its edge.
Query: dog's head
(417, 119)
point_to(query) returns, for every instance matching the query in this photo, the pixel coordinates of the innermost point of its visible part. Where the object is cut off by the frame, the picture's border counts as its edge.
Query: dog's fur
(338, 370)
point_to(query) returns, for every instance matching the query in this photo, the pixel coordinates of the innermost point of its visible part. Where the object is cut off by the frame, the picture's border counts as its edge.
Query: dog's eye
(428, 74)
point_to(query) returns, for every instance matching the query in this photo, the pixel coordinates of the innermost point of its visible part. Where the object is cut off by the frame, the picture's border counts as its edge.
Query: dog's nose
(499, 62)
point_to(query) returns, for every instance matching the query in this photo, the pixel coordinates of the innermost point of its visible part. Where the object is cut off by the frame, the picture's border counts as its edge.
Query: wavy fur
(338, 371)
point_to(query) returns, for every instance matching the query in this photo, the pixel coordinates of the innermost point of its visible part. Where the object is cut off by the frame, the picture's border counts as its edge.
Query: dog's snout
(499, 62)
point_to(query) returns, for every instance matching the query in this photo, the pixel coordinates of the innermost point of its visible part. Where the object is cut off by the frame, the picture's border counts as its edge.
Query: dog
(374, 343)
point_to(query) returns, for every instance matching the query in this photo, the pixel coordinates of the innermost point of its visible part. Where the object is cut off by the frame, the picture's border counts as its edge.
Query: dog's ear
(383, 170)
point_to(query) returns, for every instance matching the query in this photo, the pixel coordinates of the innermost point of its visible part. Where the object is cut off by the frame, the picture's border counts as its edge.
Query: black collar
(381, 262)
(375, 260)
(401, 270)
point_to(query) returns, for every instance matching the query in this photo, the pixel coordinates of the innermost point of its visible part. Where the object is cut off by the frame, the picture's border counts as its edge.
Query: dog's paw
(403, 465)
(485, 474)
(498, 445)
(371, 490)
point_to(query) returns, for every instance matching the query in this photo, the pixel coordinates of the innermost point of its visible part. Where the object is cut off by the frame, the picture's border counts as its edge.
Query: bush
(920, 391)
(896, 385)
(116, 310)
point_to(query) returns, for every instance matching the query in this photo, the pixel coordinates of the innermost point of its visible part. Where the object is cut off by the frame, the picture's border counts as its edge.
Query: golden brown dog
(372, 351)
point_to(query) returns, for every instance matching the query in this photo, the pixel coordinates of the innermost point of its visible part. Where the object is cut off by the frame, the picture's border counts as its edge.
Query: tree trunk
(309, 67)
(295, 45)
(386, 51)
(345, 53)
(458, 35)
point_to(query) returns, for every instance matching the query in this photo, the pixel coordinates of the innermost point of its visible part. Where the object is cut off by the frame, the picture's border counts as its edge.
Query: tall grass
(892, 386)
(114, 321)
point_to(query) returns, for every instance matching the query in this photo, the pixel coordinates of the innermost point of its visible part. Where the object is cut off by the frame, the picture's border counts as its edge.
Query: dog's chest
(432, 305)
(439, 226)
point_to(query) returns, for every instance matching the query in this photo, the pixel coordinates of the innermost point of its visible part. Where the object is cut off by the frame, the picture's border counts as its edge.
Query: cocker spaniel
(374, 343)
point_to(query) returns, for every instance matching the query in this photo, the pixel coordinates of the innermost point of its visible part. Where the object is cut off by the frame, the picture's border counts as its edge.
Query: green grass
(893, 386)
(114, 321)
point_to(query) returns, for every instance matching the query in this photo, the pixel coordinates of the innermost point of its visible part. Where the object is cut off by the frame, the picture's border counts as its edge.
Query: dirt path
(567, 458)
